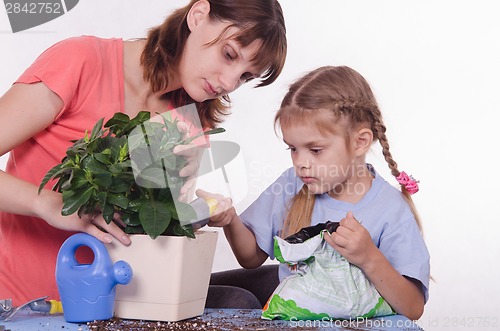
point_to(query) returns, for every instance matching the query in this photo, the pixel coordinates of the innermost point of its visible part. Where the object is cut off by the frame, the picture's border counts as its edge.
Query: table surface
(212, 319)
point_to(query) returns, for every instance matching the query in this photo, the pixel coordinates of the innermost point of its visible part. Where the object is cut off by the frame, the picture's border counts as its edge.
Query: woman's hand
(352, 241)
(224, 213)
(49, 206)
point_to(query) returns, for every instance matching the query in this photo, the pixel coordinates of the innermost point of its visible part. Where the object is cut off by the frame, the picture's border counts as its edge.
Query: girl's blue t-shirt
(383, 211)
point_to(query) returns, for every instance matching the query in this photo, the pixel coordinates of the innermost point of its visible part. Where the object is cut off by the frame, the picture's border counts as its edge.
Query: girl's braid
(379, 130)
(366, 111)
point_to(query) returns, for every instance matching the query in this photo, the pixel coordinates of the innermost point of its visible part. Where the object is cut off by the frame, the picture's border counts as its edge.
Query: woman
(201, 53)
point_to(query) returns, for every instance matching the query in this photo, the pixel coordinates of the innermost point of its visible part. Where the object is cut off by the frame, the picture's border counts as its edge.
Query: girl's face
(322, 160)
(208, 71)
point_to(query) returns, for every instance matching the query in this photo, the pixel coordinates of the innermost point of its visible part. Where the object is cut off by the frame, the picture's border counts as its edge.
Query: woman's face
(208, 71)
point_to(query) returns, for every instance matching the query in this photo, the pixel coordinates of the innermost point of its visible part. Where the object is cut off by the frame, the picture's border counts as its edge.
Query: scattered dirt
(138, 325)
(220, 321)
(236, 319)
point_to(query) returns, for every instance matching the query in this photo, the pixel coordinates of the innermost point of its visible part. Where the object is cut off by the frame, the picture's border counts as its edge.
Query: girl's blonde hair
(256, 19)
(345, 94)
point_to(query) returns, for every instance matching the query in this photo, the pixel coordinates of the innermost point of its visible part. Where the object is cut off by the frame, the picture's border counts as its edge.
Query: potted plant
(128, 167)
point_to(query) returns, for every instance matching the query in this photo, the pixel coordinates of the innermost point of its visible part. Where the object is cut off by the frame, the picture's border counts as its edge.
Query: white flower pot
(170, 276)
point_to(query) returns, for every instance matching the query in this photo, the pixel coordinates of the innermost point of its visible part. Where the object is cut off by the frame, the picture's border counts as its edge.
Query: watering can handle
(66, 258)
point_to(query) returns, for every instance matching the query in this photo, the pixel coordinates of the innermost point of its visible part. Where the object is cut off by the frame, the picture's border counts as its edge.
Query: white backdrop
(434, 66)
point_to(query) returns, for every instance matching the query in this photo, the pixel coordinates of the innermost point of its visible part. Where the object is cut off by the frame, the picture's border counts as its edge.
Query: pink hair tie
(410, 184)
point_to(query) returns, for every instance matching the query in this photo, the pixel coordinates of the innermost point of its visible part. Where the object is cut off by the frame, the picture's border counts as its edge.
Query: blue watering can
(88, 290)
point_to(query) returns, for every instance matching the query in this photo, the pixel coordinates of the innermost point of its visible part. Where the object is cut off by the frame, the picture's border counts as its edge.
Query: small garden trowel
(7, 311)
(204, 209)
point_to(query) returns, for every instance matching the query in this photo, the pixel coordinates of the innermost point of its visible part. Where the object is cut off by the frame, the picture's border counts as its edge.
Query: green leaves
(55, 172)
(98, 174)
(121, 125)
(155, 217)
(204, 133)
(74, 200)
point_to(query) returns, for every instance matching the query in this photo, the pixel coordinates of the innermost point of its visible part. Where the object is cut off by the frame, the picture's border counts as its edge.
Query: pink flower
(403, 178)
(412, 187)
(410, 184)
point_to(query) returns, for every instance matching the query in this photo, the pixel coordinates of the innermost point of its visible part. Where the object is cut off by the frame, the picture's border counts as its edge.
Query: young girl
(199, 54)
(329, 119)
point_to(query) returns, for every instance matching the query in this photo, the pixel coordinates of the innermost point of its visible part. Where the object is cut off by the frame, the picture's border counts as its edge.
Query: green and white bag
(323, 283)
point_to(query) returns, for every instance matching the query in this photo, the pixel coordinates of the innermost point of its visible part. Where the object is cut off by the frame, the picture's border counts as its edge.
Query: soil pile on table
(237, 320)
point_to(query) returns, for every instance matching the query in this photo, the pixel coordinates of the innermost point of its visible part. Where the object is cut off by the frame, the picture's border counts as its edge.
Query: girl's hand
(192, 155)
(352, 241)
(224, 213)
(50, 203)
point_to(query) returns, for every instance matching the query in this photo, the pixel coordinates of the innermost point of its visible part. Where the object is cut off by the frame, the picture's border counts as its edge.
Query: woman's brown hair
(256, 19)
(345, 94)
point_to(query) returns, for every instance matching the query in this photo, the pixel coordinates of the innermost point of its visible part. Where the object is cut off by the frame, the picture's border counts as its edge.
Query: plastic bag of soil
(323, 284)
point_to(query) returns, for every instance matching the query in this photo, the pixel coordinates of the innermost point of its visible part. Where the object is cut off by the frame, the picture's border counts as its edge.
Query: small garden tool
(204, 208)
(7, 311)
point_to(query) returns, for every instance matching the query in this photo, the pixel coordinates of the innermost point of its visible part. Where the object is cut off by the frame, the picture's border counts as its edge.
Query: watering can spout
(122, 272)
